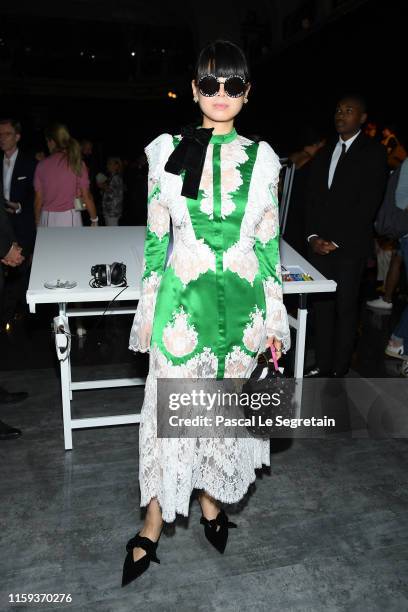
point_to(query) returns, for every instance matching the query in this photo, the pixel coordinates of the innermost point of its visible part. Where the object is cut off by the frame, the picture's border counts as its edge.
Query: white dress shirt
(334, 160)
(337, 153)
(8, 168)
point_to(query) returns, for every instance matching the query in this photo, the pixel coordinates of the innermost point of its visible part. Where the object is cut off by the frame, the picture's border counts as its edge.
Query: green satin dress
(207, 310)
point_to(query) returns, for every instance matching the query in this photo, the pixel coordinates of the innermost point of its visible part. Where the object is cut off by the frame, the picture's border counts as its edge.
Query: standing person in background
(112, 188)
(346, 187)
(59, 180)
(135, 201)
(389, 263)
(40, 155)
(398, 343)
(371, 130)
(388, 252)
(89, 159)
(16, 185)
(10, 256)
(396, 153)
(88, 156)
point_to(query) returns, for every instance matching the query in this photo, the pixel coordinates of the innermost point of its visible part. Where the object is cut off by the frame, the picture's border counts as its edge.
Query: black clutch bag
(267, 381)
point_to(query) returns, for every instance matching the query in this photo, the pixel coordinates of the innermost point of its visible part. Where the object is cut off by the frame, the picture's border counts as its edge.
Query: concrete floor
(325, 530)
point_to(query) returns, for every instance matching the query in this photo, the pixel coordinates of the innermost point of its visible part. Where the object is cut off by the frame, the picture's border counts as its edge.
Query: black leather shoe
(216, 530)
(133, 569)
(12, 398)
(9, 433)
(316, 372)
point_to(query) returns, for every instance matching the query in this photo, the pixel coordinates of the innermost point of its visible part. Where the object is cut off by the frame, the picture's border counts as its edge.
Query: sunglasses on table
(234, 85)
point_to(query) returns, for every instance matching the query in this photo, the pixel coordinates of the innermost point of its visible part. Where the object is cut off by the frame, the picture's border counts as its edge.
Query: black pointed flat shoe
(216, 530)
(133, 569)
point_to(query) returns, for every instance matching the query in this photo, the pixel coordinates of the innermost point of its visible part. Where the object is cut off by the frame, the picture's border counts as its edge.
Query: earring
(195, 99)
(245, 100)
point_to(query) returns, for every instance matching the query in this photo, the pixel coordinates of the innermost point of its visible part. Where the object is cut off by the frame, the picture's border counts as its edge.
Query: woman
(217, 303)
(112, 188)
(59, 180)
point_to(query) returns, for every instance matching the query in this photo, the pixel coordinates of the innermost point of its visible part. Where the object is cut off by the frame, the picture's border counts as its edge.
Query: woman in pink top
(60, 179)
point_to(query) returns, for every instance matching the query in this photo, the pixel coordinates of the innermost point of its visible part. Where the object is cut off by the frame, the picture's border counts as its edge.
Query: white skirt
(66, 218)
(171, 468)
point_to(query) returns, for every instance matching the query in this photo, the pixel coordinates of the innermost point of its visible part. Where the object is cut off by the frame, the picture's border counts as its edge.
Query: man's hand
(321, 246)
(13, 207)
(14, 257)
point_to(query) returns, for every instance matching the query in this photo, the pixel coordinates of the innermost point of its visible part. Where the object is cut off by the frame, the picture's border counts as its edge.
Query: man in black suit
(346, 186)
(16, 185)
(11, 256)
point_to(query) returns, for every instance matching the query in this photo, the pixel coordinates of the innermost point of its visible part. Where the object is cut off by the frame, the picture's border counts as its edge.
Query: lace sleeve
(267, 244)
(156, 244)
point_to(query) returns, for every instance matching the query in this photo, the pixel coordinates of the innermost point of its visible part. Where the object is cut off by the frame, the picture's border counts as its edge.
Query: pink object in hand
(275, 361)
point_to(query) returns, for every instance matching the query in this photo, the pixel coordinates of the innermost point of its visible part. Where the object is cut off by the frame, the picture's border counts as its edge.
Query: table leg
(66, 403)
(68, 386)
(66, 392)
(70, 377)
(300, 337)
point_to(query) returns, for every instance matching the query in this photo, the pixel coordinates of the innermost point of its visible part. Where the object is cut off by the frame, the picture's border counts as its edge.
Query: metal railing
(286, 180)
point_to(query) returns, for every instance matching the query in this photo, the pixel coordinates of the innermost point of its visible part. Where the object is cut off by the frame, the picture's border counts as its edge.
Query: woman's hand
(86, 197)
(272, 341)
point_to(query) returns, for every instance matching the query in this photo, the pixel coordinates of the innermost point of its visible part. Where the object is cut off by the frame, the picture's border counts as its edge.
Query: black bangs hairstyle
(223, 59)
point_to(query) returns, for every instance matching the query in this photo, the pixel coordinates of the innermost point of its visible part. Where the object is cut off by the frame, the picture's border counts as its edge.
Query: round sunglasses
(234, 86)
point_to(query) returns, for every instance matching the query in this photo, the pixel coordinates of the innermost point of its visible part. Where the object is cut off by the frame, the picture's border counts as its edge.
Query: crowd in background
(117, 188)
(118, 184)
(386, 264)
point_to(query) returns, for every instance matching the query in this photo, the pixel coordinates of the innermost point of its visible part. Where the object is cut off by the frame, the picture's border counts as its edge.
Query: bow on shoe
(222, 520)
(146, 544)
(189, 155)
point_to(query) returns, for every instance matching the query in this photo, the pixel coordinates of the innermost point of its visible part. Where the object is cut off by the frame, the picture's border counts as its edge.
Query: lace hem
(170, 515)
(170, 468)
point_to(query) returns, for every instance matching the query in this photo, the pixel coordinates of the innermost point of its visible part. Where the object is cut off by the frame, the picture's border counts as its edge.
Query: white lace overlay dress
(208, 311)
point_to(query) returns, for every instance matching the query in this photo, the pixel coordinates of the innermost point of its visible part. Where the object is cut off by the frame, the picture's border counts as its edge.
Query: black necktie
(343, 152)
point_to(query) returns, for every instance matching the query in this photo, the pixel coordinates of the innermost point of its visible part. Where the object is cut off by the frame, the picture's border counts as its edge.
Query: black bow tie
(198, 134)
(189, 155)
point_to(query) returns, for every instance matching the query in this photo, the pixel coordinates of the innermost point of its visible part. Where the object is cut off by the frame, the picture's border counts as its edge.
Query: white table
(319, 284)
(69, 253)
